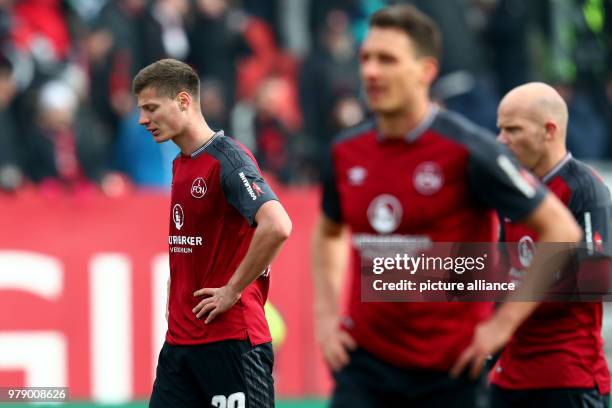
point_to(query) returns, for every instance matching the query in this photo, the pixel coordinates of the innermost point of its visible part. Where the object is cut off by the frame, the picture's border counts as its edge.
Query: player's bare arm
(553, 223)
(273, 229)
(329, 262)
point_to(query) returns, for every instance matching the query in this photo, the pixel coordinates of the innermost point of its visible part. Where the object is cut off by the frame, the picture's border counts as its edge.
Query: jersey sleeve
(498, 181)
(330, 202)
(591, 206)
(246, 190)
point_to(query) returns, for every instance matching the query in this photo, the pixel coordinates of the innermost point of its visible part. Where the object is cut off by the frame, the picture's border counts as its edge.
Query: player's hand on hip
(218, 300)
(335, 343)
(489, 337)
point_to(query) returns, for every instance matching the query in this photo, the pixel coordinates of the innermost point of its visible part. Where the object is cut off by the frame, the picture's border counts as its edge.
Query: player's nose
(143, 120)
(369, 69)
(501, 138)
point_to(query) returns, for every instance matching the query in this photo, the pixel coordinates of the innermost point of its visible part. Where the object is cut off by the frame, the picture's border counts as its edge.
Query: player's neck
(194, 136)
(398, 124)
(549, 162)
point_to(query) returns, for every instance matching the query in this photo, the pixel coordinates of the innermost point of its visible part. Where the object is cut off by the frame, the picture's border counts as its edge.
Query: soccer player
(556, 357)
(226, 226)
(414, 172)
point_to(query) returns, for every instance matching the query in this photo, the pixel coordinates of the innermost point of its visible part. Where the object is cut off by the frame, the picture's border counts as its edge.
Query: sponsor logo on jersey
(186, 243)
(266, 272)
(356, 175)
(385, 213)
(526, 249)
(198, 188)
(257, 189)
(588, 232)
(184, 240)
(247, 185)
(598, 241)
(178, 216)
(428, 178)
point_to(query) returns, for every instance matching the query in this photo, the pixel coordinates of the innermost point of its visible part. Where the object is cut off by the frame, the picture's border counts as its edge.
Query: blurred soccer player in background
(417, 173)
(556, 357)
(226, 226)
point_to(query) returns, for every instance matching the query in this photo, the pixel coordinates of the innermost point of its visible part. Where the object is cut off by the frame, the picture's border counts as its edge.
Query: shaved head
(539, 102)
(532, 119)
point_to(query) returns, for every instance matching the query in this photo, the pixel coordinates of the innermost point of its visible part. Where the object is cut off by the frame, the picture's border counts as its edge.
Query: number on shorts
(235, 400)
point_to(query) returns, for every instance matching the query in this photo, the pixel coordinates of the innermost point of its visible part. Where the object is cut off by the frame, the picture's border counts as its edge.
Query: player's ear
(551, 130)
(184, 100)
(429, 69)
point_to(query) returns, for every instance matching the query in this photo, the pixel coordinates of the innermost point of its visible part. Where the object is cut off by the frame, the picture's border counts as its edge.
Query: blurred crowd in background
(281, 76)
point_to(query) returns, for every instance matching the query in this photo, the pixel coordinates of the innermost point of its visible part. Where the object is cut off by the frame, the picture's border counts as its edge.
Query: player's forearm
(267, 241)
(329, 262)
(557, 232)
(512, 314)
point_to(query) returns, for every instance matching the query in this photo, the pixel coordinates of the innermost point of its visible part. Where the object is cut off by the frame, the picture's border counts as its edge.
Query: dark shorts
(368, 382)
(224, 374)
(548, 398)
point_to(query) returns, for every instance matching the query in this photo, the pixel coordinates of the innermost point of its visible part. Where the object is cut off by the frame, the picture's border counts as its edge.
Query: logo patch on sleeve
(257, 189)
(248, 187)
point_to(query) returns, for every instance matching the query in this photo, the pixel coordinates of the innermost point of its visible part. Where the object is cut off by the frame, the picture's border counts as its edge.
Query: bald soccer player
(555, 358)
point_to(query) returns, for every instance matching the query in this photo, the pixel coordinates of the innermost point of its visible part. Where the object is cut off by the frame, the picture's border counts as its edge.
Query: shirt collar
(420, 129)
(200, 149)
(415, 133)
(553, 172)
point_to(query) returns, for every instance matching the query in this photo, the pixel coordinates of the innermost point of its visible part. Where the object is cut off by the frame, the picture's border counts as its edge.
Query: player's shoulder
(230, 153)
(586, 185)
(480, 142)
(360, 130)
(454, 126)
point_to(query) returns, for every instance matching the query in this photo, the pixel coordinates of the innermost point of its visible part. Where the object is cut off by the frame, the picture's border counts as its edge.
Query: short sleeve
(591, 206)
(246, 190)
(330, 202)
(498, 181)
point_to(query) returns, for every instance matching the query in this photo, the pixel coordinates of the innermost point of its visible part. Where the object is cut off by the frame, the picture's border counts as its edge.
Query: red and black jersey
(216, 192)
(560, 344)
(441, 182)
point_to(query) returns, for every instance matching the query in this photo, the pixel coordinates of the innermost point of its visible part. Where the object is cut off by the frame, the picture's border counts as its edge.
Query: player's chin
(384, 109)
(161, 137)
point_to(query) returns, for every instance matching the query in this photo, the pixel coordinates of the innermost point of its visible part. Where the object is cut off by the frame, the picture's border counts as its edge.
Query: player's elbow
(576, 233)
(282, 228)
(274, 222)
(278, 227)
(553, 222)
(567, 229)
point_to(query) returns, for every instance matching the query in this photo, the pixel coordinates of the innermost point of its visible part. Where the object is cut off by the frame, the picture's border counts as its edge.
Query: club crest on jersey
(356, 175)
(178, 216)
(428, 178)
(385, 213)
(198, 188)
(526, 249)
